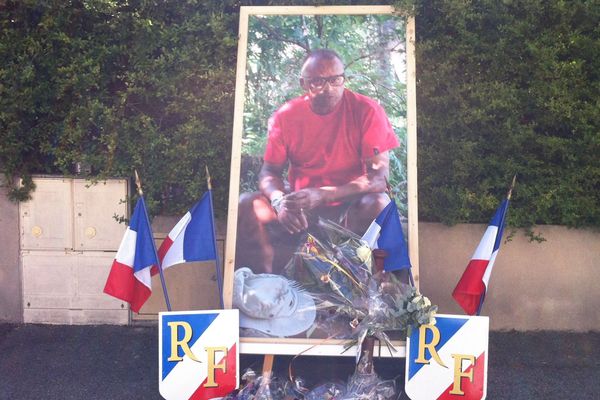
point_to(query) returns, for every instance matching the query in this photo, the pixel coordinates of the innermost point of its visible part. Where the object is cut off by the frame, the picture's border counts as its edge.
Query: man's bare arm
(373, 181)
(270, 181)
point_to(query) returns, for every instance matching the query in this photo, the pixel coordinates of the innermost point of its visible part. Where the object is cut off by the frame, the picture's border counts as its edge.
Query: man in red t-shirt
(335, 145)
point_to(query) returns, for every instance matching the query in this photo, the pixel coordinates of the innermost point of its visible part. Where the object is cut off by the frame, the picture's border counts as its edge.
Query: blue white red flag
(192, 239)
(472, 286)
(385, 233)
(129, 278)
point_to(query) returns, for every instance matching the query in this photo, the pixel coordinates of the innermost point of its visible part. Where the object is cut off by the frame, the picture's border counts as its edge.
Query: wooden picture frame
(258, 23)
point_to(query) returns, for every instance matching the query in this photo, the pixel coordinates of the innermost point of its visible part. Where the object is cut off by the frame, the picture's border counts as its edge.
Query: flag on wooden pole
(470, 291)
(193, 238)
(385, 232)
(129, 278)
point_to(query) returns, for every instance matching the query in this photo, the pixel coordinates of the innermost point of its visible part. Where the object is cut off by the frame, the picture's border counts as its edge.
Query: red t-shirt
(328, 150)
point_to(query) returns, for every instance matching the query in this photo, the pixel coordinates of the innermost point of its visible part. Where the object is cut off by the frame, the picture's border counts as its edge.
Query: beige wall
(551, 285)
(11, 309)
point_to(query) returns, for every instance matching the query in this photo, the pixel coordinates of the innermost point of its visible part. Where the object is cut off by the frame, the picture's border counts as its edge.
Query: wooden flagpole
(502, 223)
(138, 184)
(217, 259)
(512, 186)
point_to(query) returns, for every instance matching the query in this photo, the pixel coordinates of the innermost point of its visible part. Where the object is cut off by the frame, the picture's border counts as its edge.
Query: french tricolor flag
(192, 239)
(385, 233)
(472, 286)
(129, 278)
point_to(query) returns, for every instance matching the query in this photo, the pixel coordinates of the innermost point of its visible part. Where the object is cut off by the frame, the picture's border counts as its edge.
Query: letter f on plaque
(458, 372)
(210, 379)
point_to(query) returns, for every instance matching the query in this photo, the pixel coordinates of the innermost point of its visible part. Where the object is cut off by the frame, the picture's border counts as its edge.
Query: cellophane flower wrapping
(353, 300)
(361, 385)
(264, 387)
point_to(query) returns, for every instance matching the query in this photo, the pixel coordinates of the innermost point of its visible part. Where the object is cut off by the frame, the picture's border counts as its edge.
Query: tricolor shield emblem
(198, 354)
(448, 360)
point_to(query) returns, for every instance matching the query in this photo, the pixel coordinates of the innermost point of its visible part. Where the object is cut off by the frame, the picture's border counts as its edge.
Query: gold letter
(210, 379)
(458, 372)
(175, 343)
(431, 346)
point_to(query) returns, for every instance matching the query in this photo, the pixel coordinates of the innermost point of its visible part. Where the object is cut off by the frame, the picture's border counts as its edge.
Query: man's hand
(290, 209)
(293, 221)
(306, 199)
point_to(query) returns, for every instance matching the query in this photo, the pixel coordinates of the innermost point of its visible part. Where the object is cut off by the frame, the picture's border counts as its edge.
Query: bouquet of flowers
(340, 274)
(332, 274)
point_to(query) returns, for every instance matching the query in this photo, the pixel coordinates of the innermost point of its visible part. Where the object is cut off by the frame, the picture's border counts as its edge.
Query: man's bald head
(322, 77)
(318, 55)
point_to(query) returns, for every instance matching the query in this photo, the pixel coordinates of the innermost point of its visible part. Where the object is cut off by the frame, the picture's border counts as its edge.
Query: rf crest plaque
(198, 354)
(448, 360)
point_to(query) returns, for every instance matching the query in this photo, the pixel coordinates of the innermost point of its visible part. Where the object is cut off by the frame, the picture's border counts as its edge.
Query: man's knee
(365, 210)
(254, 206)
(245, 209)
(246, 200)
(373, 203)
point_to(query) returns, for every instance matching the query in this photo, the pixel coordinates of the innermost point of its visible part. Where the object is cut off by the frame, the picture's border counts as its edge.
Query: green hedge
(118, 86)
(509, 87)
(503, 87)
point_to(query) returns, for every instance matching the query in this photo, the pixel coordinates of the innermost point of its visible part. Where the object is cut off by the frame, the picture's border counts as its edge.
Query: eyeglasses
(319, 82)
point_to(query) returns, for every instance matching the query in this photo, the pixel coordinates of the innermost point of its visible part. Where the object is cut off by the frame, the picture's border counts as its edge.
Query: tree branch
(274, 35)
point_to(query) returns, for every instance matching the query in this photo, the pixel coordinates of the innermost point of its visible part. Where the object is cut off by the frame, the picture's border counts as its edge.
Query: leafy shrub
(118, 86)
(504, 88)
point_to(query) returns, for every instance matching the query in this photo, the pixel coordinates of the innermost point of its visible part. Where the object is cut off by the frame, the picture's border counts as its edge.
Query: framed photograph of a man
(324, 139)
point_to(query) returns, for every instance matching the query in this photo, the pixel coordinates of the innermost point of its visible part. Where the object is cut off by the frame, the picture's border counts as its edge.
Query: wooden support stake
(267, 365)
(366, 357)
(379, 256)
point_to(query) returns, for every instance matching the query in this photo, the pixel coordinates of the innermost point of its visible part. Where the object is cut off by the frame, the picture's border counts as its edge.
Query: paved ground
(115, 362)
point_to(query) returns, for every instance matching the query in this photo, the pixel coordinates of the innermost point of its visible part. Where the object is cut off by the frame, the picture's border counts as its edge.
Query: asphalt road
(121, 362)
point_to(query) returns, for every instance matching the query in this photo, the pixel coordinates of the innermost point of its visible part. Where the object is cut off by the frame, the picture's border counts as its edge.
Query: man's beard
(323, 103)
